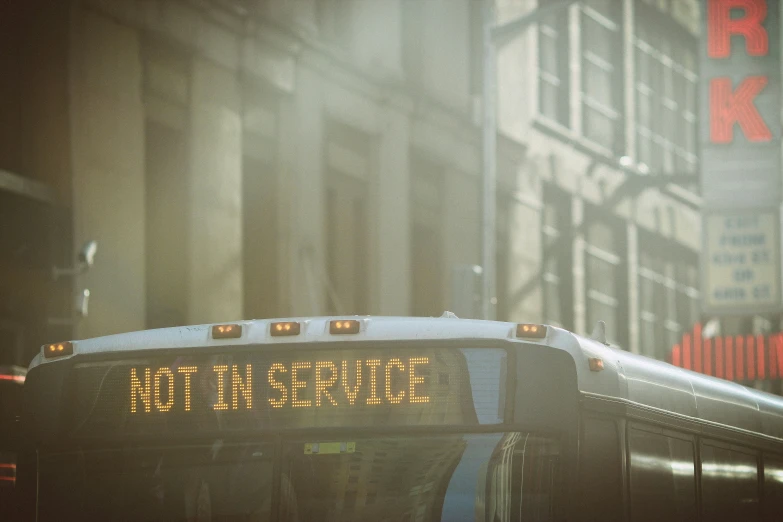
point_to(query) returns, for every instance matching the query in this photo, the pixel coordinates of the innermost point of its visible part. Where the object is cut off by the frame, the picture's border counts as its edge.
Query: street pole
(489, 150)
(499, 35)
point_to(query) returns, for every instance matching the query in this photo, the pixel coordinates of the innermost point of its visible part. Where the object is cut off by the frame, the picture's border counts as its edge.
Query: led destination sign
(334, 382)
(249, 391)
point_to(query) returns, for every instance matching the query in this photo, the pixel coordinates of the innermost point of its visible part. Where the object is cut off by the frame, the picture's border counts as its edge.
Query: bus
(389, 419)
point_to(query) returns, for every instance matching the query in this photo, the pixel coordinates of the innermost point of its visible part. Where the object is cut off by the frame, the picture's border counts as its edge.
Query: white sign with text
(741, 257)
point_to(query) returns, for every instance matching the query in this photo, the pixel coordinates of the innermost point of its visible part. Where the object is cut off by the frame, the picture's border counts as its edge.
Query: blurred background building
(249, 159)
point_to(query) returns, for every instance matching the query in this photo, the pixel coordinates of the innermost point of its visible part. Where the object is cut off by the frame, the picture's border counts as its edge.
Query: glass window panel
(598, 83)
(550, 99)
(663, 478)
(773, 488)
(647, 294)
(524, 472)
(729, 485)
(600, 472)
(601, 235)
(596, 38)
(601, 276)
(553, 68)
(549, 53)
(599, 128)
(227, 481)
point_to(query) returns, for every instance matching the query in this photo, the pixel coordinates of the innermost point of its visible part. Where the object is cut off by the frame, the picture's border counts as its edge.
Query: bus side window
(600, 472)
(525, 480)
(773, 488)
(729, 484)
(663, 478)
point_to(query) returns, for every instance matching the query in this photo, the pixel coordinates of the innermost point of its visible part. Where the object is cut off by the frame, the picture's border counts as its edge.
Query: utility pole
(489, 165)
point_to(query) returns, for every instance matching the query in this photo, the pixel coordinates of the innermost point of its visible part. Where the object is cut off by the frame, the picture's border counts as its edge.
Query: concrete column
(215, 196)
(575, 66)
(629, 86)
(304, 187)
(633, 287)
(108, 170)
(392, 195)
(580, 297)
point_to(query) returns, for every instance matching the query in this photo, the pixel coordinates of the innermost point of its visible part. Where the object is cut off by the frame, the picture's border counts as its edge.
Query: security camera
(86, 260)
(87, 253)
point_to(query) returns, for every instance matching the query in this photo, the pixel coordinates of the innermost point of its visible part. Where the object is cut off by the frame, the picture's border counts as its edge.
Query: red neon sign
(722, 26)
(728, 107)
(731, 105)
(733, 357)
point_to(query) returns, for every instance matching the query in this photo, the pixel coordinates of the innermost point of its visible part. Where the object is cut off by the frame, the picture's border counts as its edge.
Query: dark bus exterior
(368, 418)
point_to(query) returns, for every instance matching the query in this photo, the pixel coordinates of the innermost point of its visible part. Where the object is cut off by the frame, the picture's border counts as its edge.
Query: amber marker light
(344, 326)
(57, 349)
(596, 364)
(531, 331)
(285, 328)
(227, 331)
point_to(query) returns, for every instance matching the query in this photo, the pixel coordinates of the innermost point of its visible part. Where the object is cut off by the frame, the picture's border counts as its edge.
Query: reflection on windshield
(450, 477)
(204, 483)
(385, 479)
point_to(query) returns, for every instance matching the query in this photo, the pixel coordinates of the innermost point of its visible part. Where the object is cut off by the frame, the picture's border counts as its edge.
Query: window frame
(558, 199)
(649, 21)
(613, 67)
(618, 261)
(560, 38)
(675, 290)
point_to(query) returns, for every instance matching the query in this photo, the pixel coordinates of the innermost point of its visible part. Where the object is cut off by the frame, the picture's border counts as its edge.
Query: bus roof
(625, 377)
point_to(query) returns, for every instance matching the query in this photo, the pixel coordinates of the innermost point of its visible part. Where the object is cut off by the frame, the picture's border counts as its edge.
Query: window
(206, 482)
(347, 226)
(773, 488)
(557, 264)
(666, 86)
(668, 295)
(427, 237)
(605, 277)
(663, 478)
(600, 472)
(259, 204)
(525, 477)
(553, 68)
(602, 73)
(729, 484)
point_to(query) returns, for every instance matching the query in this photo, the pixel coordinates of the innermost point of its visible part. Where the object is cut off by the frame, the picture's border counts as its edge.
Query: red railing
(731, 357)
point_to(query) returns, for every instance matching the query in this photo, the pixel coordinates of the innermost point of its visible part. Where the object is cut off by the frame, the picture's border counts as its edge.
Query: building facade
(251, 159)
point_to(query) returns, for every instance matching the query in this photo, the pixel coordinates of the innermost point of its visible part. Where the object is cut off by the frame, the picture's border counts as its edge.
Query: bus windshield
(423, 478)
